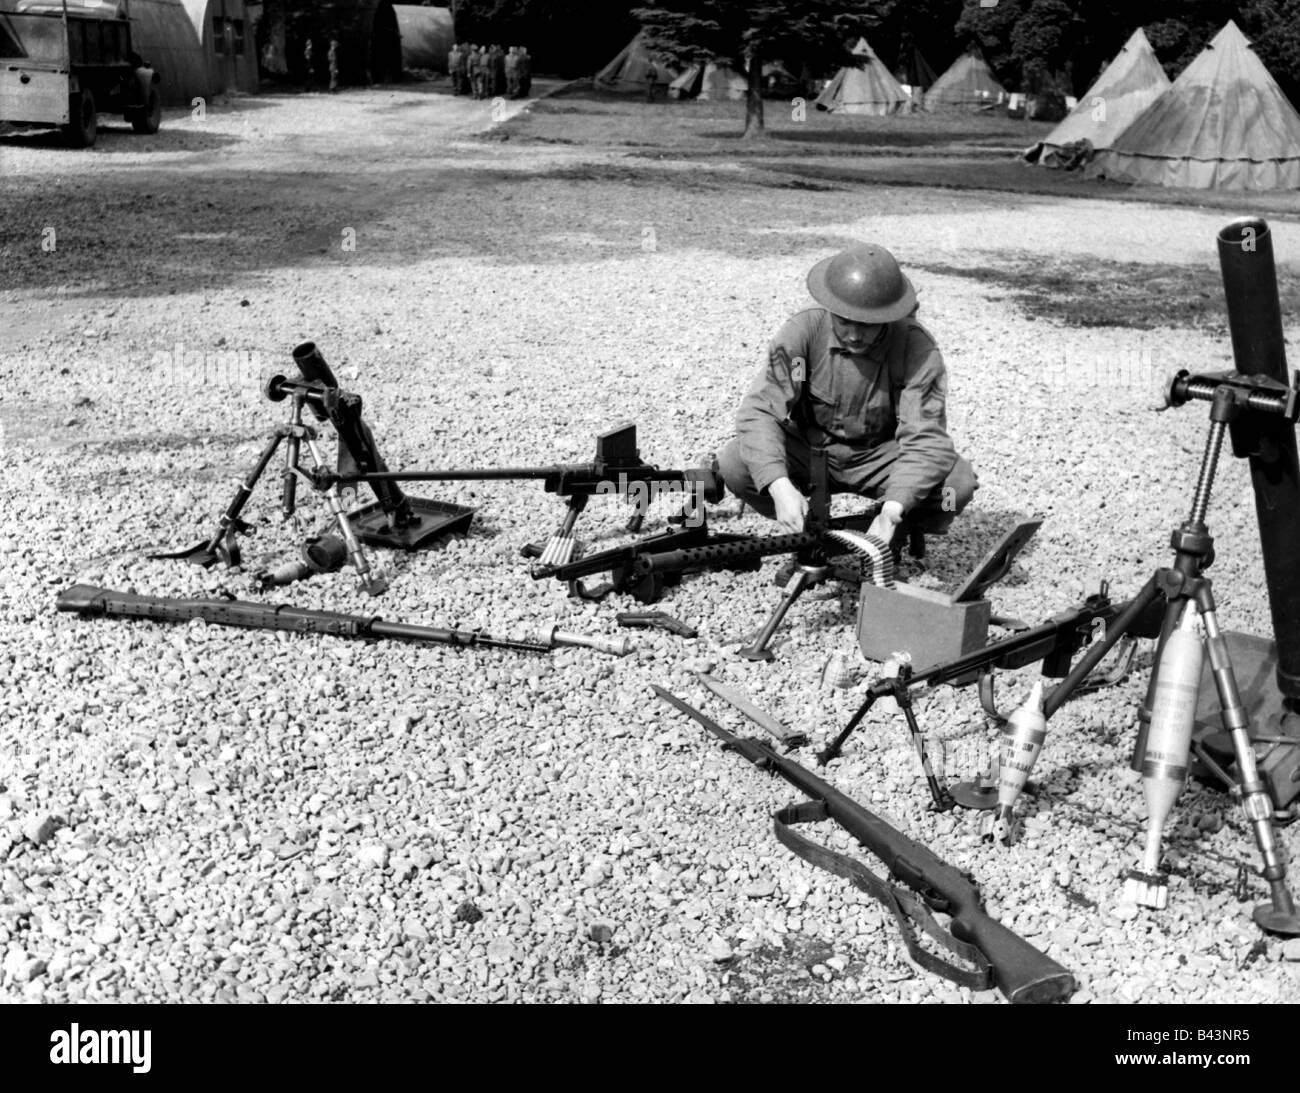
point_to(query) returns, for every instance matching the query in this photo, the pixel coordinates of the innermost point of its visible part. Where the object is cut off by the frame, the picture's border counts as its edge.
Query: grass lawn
(958, 150)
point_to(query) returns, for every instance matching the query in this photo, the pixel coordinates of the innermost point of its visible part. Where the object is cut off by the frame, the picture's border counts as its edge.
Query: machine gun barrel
(1021, 972)
(89, 601)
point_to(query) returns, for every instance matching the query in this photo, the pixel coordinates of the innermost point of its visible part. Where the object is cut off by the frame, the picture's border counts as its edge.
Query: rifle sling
(909, 911)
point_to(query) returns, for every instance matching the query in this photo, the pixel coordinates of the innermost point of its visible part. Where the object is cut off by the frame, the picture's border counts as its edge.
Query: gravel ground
(193, 813)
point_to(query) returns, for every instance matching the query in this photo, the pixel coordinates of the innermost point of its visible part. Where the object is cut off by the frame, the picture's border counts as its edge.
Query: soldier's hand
(886, 521)
(791, 505)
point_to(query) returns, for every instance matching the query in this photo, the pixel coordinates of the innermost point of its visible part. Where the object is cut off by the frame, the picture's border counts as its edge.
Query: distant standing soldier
(334, 66)
(512, 73)
(651, 80)
(311, 65)
(498, 58)
(478, 72)
(456, 69)
(524, 71)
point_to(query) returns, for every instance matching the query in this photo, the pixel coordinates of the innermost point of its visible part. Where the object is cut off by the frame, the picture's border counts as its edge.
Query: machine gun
(617, 469)
(1055, 643)
(91, 602)
(645, 568)
(1020, 971)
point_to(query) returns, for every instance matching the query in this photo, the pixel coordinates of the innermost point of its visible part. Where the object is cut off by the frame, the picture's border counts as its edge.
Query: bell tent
(1223, 124)
(868, 89)
(629, 72)
(969, 84)
(709, 82)
(1130, 84)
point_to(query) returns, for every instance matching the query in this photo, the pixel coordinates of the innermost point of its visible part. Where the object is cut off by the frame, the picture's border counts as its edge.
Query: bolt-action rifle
(1020, 971)
(91, 602)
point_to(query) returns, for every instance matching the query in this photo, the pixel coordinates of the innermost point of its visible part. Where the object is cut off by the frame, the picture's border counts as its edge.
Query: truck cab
(64, 62)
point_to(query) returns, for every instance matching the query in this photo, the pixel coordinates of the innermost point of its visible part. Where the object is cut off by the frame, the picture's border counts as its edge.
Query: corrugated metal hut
(370, 44)
(165, 37)
(427, 34)
(229, 42)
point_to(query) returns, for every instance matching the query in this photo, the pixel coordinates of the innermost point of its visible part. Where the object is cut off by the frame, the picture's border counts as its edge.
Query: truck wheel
(149, 118)
(83, 124)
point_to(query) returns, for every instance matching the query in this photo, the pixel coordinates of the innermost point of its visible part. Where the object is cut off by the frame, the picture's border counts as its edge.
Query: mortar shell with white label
(1022, 740)
(1169, 741)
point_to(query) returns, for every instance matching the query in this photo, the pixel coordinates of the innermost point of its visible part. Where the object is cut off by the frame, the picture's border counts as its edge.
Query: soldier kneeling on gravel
(859, 378)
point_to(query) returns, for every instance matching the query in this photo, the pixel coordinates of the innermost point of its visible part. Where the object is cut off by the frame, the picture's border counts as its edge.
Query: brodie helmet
(863, 284)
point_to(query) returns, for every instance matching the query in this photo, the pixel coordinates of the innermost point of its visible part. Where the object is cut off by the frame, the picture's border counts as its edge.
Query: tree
(1274, 29)
(747, 33)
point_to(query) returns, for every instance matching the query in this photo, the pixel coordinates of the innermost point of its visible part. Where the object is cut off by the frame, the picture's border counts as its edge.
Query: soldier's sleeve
(926, 453)
(770, 401)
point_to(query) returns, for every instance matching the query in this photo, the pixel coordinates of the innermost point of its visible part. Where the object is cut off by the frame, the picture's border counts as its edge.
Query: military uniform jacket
(896, 390)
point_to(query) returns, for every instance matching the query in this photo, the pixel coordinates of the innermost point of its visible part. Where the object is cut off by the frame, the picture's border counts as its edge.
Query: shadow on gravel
(119, 139)
(174, 229)
(797, 971)
(1092, 292)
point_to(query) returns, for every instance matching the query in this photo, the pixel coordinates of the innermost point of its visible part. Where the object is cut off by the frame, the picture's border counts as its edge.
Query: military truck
(65, 63)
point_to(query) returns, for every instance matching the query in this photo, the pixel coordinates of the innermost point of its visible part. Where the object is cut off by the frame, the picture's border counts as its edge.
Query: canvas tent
(1129, 84)
(229, 43)
(1223, 124)
(914, 71)
(870, 89)
(628, 73)
(710, 81)
(969, 84)
(427, 35)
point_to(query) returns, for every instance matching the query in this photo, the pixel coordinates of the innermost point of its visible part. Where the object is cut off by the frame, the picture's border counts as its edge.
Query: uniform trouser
(864, 471)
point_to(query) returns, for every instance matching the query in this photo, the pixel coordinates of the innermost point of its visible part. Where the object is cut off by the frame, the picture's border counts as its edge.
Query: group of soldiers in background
(485, 72)
(309, 62)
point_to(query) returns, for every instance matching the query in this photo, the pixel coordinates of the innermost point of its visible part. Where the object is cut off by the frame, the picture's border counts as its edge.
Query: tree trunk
(754, 97)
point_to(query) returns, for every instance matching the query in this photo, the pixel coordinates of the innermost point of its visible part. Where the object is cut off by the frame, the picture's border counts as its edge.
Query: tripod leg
(941, 799)
(289, 495)
(801, 580)
(1279, 916)
(222, 545)
(373, 584)
(833, 748)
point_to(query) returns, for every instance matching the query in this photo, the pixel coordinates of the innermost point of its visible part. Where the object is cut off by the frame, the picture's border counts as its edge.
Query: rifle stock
(1021, 972)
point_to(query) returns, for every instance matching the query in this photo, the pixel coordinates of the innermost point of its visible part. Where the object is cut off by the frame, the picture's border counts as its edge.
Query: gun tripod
(1184, 584)
(394, 520)
(223, 545)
